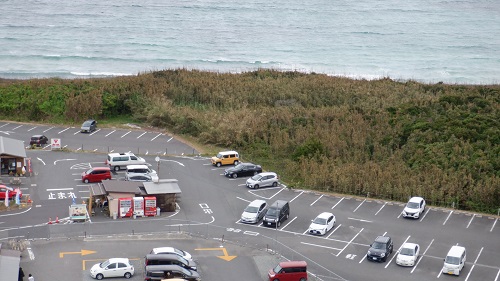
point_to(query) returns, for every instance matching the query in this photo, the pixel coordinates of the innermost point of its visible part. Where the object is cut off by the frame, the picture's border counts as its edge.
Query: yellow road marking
(225, 257)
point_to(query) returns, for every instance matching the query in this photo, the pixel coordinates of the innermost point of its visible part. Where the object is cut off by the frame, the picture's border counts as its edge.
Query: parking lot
(211, 205)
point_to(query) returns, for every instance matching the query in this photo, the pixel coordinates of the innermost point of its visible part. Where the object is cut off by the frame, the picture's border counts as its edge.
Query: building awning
(12, 147)
(166, 186)
(122, 186)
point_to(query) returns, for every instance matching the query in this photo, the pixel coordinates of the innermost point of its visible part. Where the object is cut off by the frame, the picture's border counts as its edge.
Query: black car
(89, 126)
(161, 272)
(380, 249)
(38, 140)
(243, 169)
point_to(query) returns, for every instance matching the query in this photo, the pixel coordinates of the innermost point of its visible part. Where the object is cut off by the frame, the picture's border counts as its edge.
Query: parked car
(171, 250)
(96, 174)
(277, 212)
(161, 272)
(455, 260)
(89, 126)
(12, 192)
(254, 212)
(414, 208)
(169, 259)
(323, 223)
(139, 178)
(225, 158)
(117, 161)
(140, 170)
(288, 271)
(380, 249)
(38, 140)
(243, 169)
(408, 254)
(115, 267)
(262, 180)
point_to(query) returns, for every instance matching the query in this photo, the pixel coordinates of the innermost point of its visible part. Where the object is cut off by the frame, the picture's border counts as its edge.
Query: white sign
(55, 143)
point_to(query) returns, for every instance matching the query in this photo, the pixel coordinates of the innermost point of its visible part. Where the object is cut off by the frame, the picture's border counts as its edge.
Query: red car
(12, 192)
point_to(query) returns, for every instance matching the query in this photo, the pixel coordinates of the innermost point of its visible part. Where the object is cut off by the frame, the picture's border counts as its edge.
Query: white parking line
(335, 229)
(125, 134)
(422, 256)
(19, 127)
(170, 139)
(288, 223)
(76, 132)
(397, 252)
(95, 132)
(449, 215)
(425, 213)
(493, 226)
(63, 130)
(158, 136)
(110, 133)
(316, 200)
(338, 202)
(498, 274)
(354, 219)
(359, 206)
(349, 243)
(472, 268)
(48, 129)
(471, 220)
(321, 246)
(57, 189)
(141, 134)
(381, 208)
(297, 196)
(29, 129)
(6, 125)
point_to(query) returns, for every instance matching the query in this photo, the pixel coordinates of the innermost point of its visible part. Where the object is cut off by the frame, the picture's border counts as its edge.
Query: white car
(414, 208)
(323, 223)
(254, 212)
(263, 179)
(408, 255)
(172, 250)
(116, 267)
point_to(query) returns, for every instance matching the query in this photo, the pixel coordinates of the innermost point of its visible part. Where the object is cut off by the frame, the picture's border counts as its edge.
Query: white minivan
(140, 170)
(117, 161)
(455, 260)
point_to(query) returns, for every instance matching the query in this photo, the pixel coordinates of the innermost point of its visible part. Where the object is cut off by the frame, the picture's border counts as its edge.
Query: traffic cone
(57, 220)
(50, 220)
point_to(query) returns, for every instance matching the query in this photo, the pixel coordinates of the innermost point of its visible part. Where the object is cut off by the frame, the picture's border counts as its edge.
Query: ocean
(430, 41)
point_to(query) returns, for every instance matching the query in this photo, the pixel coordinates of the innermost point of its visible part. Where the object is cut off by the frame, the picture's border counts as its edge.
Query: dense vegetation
(383, 139)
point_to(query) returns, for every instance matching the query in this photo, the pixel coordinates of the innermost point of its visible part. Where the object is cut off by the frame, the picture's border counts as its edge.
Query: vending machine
(150, 206)
(139, 206)
(125, 207)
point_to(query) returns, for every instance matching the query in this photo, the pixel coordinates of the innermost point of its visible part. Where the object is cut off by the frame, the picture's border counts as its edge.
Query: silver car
(263, 179)
(254, 212)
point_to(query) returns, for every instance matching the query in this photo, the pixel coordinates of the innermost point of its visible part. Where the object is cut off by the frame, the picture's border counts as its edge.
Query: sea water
(453, 41)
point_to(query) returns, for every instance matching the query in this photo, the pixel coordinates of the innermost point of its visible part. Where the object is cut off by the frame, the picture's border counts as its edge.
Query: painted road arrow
(82, 252)
(225, 257)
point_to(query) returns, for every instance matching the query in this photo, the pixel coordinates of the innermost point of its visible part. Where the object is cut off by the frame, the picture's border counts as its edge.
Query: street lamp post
(157, 159)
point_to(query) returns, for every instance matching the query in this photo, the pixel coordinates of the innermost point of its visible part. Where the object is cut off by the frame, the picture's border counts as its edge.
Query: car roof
(124, 260)
(382, 239)
(36, 136)
(137, 166)
(7, 187)
(257, 202)
(325, 215)
(121, 154)
(164, 257)
(456, 250)
(228, 152)
(285, 264)
(267, 173)
(416, 199)
(163, 250)
(100, 168)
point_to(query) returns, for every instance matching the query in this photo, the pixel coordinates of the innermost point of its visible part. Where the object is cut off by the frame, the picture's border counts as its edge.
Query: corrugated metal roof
(122, 186)
(167, 186)
(12, 147)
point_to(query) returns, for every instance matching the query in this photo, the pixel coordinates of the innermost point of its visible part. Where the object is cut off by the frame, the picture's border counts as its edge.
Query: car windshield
(321, 221)
(88, 171)
(378, 245)
(272, 212)
(105, 264)
(407, 252)
(251, 209)
(452, 260)
(256, 177)
(239, 167)
(87, 123)
(34, 138)
(413, 205)
(219, 156)
(277, 269)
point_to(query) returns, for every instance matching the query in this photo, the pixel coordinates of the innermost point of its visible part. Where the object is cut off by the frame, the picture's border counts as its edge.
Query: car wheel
(235, 176)
(287, 216)
(276, 279)
(275, 184)
(302, 279)
(256, 186)
(236, 162)
(127, 275)
(99, 276)
(384, 259)
(86, 181)
(218, 164)
(278, 223)
(116, 168)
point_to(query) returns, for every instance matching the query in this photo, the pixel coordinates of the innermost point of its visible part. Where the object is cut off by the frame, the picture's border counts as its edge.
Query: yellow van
(226, 158)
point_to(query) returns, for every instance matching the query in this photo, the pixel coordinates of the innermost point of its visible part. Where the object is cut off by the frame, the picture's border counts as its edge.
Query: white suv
(414, 208)
(140, 170)
(116, 161)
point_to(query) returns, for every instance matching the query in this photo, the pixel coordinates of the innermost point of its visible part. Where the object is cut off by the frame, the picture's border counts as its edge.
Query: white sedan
(116, 267)
(414, 208)
(323, 223)
(408, 254)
